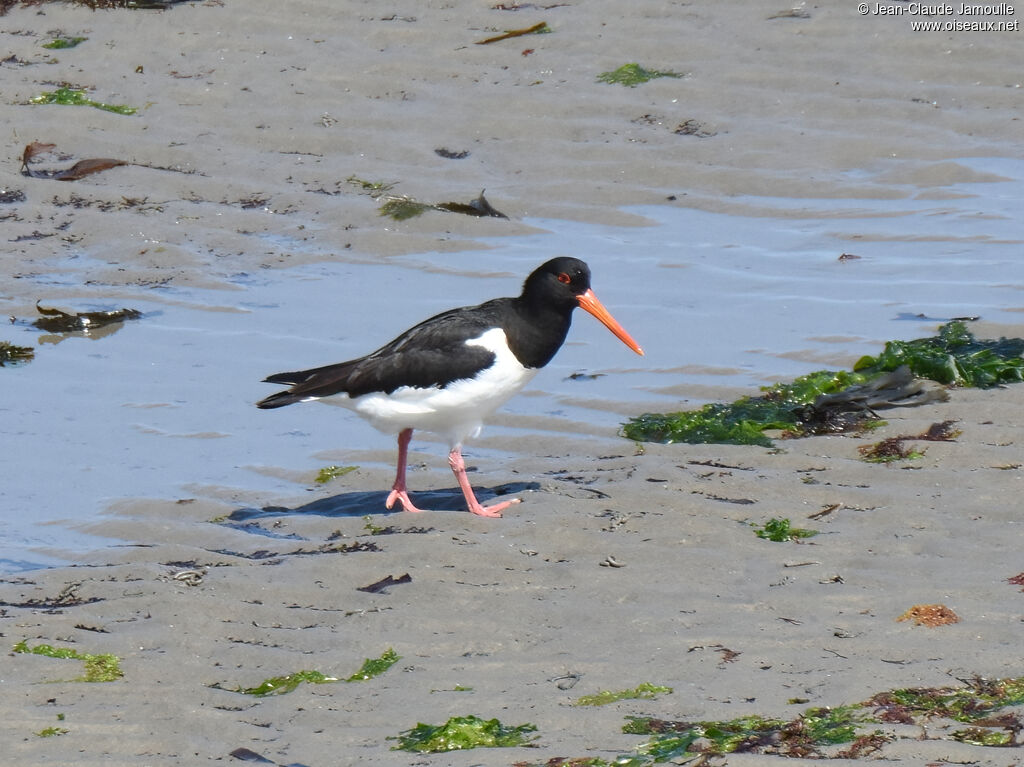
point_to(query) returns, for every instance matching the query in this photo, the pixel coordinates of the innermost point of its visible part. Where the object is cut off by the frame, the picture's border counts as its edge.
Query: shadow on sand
(362, 504)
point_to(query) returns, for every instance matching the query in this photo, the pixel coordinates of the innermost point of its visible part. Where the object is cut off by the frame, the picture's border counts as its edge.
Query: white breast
(456, 411)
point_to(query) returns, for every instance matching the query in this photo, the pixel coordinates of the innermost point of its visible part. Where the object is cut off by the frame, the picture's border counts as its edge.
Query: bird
(447, 374)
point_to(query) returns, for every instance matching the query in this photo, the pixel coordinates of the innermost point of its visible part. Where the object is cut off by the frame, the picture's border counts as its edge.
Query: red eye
(564, 278)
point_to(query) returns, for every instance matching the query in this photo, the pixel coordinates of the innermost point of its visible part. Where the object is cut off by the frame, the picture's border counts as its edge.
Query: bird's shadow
(363, 504)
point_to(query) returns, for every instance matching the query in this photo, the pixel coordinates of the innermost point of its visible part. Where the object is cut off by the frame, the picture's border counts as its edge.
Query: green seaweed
(375, 666)
(373, 188)
(780, 530)
(402, 208)
(76, 97)
(815, 728)
(632, 75)
(645, 691)
(102, 667)
(281, 685)
(980, 699)
(979, 736)
(821, 728)
(328, 473)
(830, 726)
(49, 732)
(14, 354)
(462, 732)
(954, 356)
(61, 43)
(744, 421)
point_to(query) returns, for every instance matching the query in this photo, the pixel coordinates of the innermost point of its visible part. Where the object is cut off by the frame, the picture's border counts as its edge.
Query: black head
(559, 282)
(562, 284)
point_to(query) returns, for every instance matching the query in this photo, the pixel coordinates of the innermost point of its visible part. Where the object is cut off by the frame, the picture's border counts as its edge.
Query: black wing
(433, 353)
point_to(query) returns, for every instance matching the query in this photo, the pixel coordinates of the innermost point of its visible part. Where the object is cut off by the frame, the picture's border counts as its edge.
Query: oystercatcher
(447, 374)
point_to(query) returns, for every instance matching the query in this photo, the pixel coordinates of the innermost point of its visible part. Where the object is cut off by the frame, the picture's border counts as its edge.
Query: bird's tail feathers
(280, 399)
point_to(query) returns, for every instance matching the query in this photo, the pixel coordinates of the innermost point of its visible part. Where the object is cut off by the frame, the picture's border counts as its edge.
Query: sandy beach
(624, 564)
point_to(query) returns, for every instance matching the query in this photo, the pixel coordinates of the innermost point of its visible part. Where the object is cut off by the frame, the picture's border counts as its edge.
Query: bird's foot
(402, 496)
(494, 510)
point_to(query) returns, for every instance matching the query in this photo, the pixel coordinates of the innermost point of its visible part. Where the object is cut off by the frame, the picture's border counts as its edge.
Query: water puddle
(749, 294)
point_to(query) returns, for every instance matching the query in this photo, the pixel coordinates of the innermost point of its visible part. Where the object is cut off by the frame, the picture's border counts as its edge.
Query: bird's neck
(538, 334)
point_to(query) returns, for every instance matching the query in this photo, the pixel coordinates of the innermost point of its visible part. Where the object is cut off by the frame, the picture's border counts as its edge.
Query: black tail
(283, 398)
(280, 399)
(308, 384)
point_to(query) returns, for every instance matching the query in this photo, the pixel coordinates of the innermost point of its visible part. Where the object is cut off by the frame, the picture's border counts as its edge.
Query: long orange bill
(589, 302)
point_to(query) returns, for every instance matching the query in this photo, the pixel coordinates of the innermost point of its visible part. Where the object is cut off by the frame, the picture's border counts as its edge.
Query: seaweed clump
(783, 406)
(632, 75)
(842, 732)
(781, 530)
(462, 732)
(955, 357)
(895, 449)
(56, 320)
(823, 402)
(65, 96)
(644, 691)
(101, 667)
(375, 666)
(63, 43)
(14, 354)
(281, 685)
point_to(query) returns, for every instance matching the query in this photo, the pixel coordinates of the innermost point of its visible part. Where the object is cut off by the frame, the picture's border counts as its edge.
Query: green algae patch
(403, 208)
(632, 75)
(803, 736)
(979, 700)
(10, 353)
(63, 43)
(842, 732)
(328, 473)
(954, 356)
(76, 97)
(780, 530)
(50, 732)
(643, 691)
(102, 667)
(827, 401)
(373, 188)
(463, 732)
(281, 685)
(979, 736)
(375, 666)
(744, 421)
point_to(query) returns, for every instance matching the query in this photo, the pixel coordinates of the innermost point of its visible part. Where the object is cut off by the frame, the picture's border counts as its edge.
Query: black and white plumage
(449, 373)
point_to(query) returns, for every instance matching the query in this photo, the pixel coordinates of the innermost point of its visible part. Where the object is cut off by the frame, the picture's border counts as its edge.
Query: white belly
(458, 410)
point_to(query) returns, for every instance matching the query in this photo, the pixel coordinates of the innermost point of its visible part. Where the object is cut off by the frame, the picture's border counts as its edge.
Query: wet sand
(252, 122)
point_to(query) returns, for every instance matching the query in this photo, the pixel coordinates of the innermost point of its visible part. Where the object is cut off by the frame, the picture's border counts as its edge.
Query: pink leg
(398, 490)
(459, 468)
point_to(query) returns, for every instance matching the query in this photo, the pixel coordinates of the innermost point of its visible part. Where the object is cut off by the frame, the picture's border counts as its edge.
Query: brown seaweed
(79, 170)
(536, 29)
(58, 321)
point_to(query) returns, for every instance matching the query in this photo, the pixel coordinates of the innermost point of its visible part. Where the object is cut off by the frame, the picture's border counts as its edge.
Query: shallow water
(741, 297)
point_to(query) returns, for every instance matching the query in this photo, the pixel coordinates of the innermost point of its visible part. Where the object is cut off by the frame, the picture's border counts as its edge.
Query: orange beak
(589, 302)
